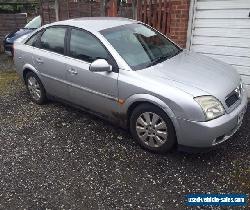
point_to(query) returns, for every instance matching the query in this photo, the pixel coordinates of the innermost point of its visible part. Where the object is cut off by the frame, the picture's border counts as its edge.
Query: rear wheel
(35, 88)
(152, 128)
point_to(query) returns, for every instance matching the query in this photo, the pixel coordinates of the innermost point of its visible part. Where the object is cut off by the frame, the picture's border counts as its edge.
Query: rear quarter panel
(23, 56)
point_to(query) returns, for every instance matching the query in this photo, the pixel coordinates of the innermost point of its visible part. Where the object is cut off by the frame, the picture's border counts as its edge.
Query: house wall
(221, 30)
(179, 21)
(9, 23)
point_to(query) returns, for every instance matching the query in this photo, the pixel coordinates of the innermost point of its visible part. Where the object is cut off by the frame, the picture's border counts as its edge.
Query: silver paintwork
(170, 85)
(100, 65)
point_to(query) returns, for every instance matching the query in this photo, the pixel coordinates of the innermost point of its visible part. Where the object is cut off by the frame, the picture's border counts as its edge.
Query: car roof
(95, 24)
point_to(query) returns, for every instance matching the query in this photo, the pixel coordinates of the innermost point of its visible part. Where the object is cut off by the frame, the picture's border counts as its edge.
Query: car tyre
(151, 127)
(35, 88)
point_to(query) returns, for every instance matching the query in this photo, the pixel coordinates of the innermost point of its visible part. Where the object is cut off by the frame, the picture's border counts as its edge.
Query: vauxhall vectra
(129, 73)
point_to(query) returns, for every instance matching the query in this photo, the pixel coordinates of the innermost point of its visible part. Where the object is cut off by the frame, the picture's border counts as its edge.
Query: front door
(97, 92)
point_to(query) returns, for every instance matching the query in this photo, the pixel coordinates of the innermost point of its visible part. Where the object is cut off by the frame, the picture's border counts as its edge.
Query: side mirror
(100, 65)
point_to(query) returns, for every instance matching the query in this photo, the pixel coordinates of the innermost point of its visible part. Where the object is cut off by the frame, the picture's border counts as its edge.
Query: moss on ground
(6, 63)
(6, 79)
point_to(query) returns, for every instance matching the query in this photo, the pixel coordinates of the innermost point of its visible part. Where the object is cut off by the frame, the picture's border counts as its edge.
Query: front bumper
(211, 133)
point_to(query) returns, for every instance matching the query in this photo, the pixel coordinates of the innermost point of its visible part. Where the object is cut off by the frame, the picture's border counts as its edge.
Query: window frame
(36, 40)
(65, 38)
(111, 60)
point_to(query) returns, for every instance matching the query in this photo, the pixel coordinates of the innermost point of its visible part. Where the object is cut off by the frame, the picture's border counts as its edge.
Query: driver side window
(85, 47)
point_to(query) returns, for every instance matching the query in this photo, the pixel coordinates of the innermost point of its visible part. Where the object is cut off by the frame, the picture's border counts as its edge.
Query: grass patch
(7, 78)
(6, 63)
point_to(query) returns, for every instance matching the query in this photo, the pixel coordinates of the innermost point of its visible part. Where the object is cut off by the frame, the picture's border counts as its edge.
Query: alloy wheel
(151, 129)
(34, 88)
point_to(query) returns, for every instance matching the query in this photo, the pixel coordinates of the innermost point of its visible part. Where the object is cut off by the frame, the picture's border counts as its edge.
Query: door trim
(82, 88)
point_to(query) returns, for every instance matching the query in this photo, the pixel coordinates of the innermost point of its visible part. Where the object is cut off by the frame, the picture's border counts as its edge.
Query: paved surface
(57, 157)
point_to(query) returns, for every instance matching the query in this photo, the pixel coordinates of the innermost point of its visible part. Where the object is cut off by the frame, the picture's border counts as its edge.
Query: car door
(49, 61)
(96, 91)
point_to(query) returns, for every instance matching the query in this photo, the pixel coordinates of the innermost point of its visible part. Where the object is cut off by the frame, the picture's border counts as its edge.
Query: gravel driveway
(57, 157)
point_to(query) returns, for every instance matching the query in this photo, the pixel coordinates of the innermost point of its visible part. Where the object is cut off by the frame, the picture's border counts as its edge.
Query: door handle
(72, 71)
(39, 60)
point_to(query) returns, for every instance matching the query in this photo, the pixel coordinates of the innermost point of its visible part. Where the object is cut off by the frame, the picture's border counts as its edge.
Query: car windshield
(34, 23)
(139, 45)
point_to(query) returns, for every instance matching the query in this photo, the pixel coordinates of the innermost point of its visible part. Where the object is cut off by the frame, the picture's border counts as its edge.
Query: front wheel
(35, 88)
(152, 128)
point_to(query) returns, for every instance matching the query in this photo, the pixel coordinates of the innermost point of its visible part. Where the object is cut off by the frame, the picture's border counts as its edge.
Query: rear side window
(86, 47)
(53, 39)
(33, 40)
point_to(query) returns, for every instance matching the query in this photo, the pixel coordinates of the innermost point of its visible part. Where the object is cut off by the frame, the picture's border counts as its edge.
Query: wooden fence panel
(10, 23)
(155, 13)
(123, 9)
(47, 11)
(68, 9)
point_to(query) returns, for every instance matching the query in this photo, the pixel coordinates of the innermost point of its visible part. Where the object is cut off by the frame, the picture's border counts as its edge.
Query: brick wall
(179, 21)
(9, 23)
(47, 11)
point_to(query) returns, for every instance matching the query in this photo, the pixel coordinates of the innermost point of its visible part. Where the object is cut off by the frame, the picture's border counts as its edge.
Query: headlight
(211, 107)
(241, 86)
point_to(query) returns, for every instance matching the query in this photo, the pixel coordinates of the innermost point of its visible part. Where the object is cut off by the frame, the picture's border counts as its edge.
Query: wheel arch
(29, 68)
(138, 99)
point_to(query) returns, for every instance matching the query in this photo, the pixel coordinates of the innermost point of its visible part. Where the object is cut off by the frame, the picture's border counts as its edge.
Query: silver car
(131, 74)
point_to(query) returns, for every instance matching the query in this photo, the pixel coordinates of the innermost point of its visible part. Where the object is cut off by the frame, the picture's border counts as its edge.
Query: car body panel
(198, 72)
(86, 88)
(54, 79)
(171, 85)
(204, 134)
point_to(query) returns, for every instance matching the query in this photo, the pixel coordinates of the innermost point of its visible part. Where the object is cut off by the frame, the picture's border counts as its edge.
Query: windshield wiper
(157, 60)
(160, 59)
(163, 58)
(30, 28)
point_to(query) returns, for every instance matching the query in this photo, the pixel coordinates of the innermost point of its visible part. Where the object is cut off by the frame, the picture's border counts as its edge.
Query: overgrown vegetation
(17, 7)
(7, 72)
(6, 63)
(7, 78)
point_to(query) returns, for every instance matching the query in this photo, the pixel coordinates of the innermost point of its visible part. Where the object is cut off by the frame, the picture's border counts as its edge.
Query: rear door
(96, 91)
(49, 60)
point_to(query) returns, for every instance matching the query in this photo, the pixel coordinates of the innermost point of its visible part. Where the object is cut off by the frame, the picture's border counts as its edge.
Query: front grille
(234, 96)
(231, 100)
